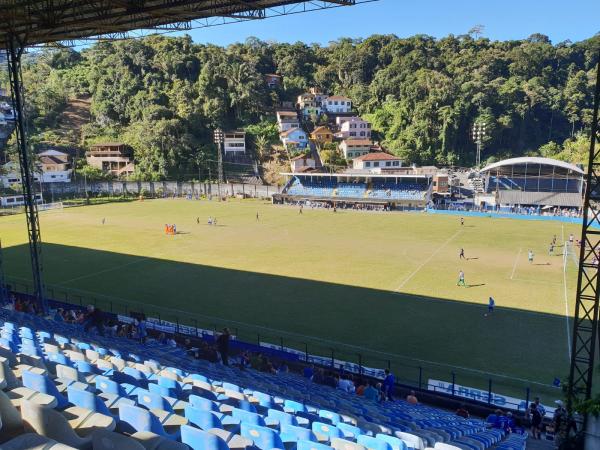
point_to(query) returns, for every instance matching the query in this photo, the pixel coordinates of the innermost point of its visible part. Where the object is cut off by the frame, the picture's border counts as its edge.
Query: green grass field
(383, 285)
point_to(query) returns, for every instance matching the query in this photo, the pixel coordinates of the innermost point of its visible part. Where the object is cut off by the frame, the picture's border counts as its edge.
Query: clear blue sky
(503, 19)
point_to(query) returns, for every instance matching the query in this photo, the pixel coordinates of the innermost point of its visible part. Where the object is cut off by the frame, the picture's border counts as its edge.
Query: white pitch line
(413, 273)
(93, 274)
(516, 262)
(565, 251)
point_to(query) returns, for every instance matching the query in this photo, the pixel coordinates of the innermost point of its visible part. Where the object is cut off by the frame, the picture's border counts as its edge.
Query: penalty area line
(516, 262)
(565, 255)
(99, 272)
(414, 272)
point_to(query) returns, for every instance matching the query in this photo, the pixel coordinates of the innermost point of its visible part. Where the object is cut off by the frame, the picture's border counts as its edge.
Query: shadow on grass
(439, 335)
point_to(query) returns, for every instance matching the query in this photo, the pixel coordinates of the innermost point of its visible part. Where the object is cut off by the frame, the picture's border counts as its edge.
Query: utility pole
(479, 133)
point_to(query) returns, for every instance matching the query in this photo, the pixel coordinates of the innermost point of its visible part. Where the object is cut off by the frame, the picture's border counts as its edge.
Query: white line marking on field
(516, 262)
(99, 272)
(565, 252)
(413, 273)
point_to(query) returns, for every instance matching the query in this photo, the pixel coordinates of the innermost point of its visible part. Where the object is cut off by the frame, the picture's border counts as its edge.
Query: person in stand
(223, 346)
(536, 421)
(462, 254)
(388, 384)
(462, 411)
(461, 279)
(411, 398)
(370, 392)
(94, 319)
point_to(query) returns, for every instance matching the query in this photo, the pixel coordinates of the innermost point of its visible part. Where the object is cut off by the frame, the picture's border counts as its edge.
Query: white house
(56, 166)
(287, 120)
(13, 174)
(337, 104)
(294, 137)
(377, 162)
(302, 162)
(353, 148)
(234, 141)
(354, 128)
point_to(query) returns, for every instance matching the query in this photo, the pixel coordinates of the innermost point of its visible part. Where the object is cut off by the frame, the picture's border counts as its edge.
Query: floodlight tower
(219, 139)
(479, 133)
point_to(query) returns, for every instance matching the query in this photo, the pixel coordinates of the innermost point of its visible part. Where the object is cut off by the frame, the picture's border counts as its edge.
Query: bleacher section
(75, 390)
(378, 190)
(394, 191)
(535, 184)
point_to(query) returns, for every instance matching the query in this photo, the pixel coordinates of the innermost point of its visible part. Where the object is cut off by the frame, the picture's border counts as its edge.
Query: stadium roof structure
(355, 174)
(34, 22)
(533, 160)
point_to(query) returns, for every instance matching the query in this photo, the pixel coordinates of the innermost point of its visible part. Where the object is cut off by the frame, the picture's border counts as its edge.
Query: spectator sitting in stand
(371, 393)
(411, 398)
(462, 411)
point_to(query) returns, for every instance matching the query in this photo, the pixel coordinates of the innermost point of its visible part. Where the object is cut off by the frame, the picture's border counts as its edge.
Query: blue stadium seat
(263, 437)
(201, 440)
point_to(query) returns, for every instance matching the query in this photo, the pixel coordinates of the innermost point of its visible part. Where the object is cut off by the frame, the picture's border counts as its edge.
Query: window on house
(348, 103)
(396, 163)
(362, 133)
(353, 133)
(376, 164)
(367, 164)
(388, 163)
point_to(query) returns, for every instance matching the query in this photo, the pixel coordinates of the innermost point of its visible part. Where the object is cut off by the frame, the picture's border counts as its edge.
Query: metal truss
(587, 306)
(37, 22)
(14, 53)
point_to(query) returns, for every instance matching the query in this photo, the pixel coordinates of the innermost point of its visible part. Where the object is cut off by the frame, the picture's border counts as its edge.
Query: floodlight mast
(587, 306)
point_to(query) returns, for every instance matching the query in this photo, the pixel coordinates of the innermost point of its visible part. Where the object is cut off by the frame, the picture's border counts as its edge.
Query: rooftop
(377, 156)
(533, 160)
(364, 142)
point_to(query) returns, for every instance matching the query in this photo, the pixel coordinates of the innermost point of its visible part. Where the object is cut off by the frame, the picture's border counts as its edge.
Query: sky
(561, 20)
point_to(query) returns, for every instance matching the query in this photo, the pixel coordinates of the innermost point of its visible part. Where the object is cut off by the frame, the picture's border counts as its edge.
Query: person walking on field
(491, 304)
(530, 256)
(462, 221)
(462, 253)
(257, 219)
(461, 279)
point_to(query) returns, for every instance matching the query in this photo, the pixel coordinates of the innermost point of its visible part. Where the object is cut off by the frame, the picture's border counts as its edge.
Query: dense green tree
(164, 96)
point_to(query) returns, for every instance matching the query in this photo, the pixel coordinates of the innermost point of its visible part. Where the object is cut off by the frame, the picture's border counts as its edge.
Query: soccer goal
(50, 206)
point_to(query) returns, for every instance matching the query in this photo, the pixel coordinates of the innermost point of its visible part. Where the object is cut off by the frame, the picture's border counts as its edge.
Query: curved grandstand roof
(533, 160)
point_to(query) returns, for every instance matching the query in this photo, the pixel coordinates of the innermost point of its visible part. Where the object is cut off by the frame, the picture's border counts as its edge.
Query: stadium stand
(534, 181)
(62, 388)
(377, 189)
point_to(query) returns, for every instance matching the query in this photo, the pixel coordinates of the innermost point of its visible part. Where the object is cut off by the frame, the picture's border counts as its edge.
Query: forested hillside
(164, 95)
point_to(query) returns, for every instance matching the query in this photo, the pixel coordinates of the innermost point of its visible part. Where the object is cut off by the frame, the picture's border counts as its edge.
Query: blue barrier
(493, 215)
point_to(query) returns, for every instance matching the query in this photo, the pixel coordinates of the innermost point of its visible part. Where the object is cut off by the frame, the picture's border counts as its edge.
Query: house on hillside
(353, 148)
(311, 103)
(337, 104)
(287, 120)
(376, 162)
(115, 158)
(12, 174)
(273, 81)
(56, 166)
(234, 142)
(294, 137)
(321, 135)
(353, 128)
(302, 163)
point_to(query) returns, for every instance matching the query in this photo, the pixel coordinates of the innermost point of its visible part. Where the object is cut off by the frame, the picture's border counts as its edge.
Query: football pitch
(380, 284)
